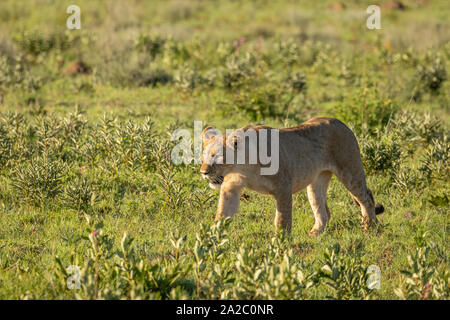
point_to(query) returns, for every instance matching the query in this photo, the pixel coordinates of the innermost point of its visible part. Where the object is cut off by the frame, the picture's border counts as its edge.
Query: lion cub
(307, 156)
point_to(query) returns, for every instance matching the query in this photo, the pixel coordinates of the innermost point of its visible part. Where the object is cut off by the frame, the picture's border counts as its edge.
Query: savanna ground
(85, 123)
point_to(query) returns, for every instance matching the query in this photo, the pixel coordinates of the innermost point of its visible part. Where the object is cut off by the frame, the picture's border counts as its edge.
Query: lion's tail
(379, 209)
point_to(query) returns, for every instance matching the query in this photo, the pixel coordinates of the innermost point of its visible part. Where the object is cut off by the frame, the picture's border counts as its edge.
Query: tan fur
(310, 154)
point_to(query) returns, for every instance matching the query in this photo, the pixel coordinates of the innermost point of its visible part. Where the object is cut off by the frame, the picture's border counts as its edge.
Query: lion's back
(327, 140)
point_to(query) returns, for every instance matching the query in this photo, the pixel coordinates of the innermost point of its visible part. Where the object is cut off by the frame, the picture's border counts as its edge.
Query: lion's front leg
(283, 217)
(228, 201)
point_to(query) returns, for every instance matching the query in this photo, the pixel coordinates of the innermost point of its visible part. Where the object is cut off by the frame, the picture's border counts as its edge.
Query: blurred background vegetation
(161, 56)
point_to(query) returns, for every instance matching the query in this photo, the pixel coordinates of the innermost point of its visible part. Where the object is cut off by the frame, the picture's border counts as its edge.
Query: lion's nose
(205, 169)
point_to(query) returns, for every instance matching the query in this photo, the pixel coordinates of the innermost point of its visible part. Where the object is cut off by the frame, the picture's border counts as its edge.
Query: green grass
(158, 66)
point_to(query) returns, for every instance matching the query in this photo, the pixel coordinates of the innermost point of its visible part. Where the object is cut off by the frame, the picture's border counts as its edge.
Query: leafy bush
(413, 128)
(117, 274)
(238, 70)
(406, 180)
(152, 45)
(172, 189)
(13, 73)
(258, 104)
(429, 78)
(38, 181)
(365, 111)
(287, 52)
(380, 153)
(298, 82)
(276, 277)
(186, 78)
(14, 139)
(145, 77)
(81, 195)
(6, 146)
(346, 276)
(35, 42)
(435, 162)
(423, 281)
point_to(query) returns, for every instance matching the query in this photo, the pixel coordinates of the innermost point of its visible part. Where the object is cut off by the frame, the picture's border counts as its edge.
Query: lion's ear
(209, 133)
(234, 142)
(234, 138)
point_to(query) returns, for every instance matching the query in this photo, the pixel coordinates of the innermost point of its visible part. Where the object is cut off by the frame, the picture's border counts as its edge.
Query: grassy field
(86, 178)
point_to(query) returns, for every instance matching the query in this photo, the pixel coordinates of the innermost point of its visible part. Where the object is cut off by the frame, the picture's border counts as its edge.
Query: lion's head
(236, 152)
(214, 165)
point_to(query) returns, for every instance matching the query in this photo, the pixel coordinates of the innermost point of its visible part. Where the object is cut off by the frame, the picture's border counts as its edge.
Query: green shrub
(108, 273)
(429, 78)
(145, 77)
(276, 277)
(413, 128)
(13, 73)
(36, 42)
(435, 162)
(152, 45)
(38, 181)
(80, 195)
(257, 104)
(297, 82)
(287, 52)
(186, 78)
(238, 70)
(365, 111)
(15, 139)
(175, 53)
(423, 280)
(346, 276)
(381, 153)
(406, 180)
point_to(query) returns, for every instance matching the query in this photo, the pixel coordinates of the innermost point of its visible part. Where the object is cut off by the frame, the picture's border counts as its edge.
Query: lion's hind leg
(356, 185)
(317, 196)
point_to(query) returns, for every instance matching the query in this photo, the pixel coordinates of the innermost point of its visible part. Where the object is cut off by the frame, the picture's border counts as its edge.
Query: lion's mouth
(218, 180)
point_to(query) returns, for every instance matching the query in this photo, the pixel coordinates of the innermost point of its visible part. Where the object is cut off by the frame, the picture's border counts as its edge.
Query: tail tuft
(379, 209)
